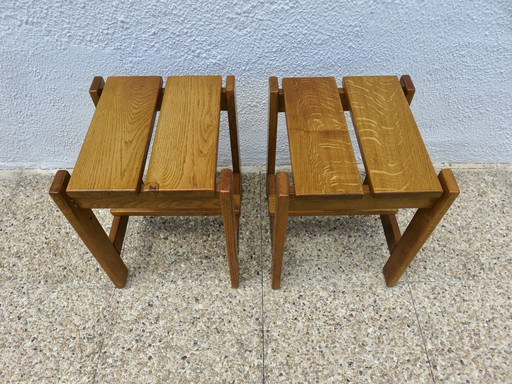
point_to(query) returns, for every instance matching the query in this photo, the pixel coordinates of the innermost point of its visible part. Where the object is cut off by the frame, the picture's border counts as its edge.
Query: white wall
(457, 52)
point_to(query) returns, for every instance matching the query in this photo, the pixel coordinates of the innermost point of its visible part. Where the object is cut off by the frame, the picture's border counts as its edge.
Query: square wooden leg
(89, 229)
(420, 228)
(279, 227)
(230, 224)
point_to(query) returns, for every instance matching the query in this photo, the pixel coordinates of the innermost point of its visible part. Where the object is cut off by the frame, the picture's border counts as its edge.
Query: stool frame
(283, 202)
(225, 201)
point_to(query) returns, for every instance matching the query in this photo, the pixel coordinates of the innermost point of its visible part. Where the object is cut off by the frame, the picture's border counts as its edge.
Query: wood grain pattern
(393, 151)
(184, 155)
(115, 148)
(322, 157)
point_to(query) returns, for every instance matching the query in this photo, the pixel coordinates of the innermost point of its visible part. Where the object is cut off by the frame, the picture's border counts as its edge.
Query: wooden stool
(399, 173)
(181, 176)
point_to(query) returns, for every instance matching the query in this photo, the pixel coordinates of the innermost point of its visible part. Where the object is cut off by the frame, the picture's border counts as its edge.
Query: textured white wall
(457, 52)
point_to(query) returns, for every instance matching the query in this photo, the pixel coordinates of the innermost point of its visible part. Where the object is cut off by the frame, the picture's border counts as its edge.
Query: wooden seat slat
(393, 151)
(184, 155)
(323, 161)
(113, 155)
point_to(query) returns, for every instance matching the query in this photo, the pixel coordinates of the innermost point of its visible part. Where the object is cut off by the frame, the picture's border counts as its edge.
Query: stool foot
(230, 224)
(420, 228)
(279, 227)
(89, 229)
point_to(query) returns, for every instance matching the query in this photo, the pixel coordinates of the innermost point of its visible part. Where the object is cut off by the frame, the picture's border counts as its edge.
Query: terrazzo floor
(449, 320)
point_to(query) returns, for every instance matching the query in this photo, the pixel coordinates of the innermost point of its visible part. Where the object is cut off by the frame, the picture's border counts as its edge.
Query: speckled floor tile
(468, 329)
(51, 335)
(330, 249)
(194, 248)
(343, 333)
(178, 320)
(39, 245)
(183, 333)
(473, 241)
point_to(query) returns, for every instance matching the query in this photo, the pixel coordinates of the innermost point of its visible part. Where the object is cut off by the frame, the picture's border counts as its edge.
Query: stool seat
(181, 177)
(184, 156)
(326, 180)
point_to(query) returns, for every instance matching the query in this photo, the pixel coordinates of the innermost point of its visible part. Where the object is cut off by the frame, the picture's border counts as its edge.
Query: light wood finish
(207, 207)
(279, 230)
(322, 157)
(399, 171)
(184, 156)
(90, 231)
(230, 224)
(393, 152)
(115, 148)
(419, 229)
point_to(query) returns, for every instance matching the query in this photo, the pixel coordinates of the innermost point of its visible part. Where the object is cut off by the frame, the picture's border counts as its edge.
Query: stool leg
(420, 228)
(89, 229)
(391, 230)
(118, 230)
(279, 227)
(227, 203)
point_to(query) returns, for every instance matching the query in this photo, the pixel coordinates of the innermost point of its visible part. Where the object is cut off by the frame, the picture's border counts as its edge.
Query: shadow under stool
(326, 180)
(181, 177)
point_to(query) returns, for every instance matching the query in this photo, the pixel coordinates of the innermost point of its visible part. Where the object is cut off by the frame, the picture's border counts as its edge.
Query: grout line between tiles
(104, 335)
(421, 333)
(262, 270)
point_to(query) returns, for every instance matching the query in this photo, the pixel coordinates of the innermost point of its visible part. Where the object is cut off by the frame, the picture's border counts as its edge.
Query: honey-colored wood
(118, 231)
(153, 201)
(90, 231)
(230, 224)
(419, 229)
(184, 155)
(279, 229)
(322, 157)
(182, 170)
(208, 208)
(393, 151)
(115, 148)
(399, 173)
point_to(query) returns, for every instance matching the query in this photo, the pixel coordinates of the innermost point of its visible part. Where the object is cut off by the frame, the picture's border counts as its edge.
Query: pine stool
(181, 175)
(326, 181)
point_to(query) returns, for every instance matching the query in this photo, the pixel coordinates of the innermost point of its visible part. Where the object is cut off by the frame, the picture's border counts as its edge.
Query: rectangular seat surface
(323, 161)
(393, 151)
(184, 154)
(113, 154)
